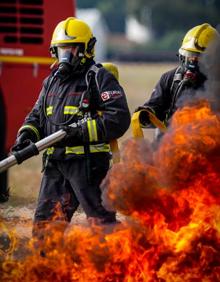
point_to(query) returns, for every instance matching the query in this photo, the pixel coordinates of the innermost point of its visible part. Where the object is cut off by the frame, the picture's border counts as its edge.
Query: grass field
(138, 80)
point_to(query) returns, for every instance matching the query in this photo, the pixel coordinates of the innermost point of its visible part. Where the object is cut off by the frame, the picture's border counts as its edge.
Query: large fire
(169, 199)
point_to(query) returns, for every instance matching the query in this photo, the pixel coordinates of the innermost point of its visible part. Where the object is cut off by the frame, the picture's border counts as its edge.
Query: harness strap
(175, 88)
(86, 97)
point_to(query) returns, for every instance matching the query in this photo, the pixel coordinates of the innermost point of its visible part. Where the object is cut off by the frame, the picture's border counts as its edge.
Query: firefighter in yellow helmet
(87, 101)
(68, 34)
(181, 82)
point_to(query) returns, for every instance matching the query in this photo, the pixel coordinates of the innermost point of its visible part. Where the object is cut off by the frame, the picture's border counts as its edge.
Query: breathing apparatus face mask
(190, 65)
(69, 58)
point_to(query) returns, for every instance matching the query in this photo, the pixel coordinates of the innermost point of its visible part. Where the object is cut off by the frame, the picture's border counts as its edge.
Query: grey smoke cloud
(210, 66)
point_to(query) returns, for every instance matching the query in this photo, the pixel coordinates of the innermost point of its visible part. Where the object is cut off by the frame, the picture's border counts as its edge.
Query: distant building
(94, 19)
(137, 32)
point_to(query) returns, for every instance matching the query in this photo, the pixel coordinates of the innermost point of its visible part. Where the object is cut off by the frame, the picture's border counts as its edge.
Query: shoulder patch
(105, 96)
(111, 94)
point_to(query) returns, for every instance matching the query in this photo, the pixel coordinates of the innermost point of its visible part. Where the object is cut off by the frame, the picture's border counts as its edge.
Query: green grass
(138, 80)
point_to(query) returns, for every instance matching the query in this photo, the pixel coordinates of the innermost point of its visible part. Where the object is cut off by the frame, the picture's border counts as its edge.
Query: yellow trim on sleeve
(33, 128)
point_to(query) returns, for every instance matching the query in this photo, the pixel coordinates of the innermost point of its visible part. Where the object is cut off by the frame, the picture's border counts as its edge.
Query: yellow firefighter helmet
(197, 39)
(73, 31)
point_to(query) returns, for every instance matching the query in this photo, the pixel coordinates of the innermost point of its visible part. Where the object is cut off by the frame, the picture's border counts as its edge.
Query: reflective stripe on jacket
(80, 150)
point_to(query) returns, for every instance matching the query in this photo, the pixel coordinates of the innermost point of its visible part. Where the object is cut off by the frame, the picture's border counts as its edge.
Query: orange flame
(170, 198)
(8, 241)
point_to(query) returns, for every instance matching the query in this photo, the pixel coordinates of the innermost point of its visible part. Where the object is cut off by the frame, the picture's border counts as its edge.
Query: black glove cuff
(23, 140)
(144, 117)
(26, 134)
(24, 154)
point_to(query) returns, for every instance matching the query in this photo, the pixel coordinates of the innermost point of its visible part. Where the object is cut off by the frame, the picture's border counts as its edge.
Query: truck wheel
(4, 191)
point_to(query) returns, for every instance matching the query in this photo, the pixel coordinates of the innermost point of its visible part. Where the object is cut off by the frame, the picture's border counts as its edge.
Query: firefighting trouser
(65, 185)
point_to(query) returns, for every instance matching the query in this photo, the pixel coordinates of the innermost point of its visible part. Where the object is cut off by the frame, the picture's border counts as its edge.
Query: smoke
(171, 192)
(124, 188)
(148, 178)
(210, 66)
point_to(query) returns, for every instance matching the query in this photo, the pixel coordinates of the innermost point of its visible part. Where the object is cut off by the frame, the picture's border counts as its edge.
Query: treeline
(167, 20)
(159, 15)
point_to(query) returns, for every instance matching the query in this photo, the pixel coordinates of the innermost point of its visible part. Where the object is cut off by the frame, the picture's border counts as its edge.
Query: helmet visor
(187, 53)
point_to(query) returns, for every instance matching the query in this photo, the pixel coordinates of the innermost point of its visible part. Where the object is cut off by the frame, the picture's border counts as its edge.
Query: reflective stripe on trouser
(65, 185)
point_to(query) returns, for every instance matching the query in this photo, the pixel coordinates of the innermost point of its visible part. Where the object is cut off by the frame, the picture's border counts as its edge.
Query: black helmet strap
(91, 45)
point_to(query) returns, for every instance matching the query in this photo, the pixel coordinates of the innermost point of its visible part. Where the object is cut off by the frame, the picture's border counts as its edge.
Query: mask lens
(65, 54)
(192, 63)
(69, 56)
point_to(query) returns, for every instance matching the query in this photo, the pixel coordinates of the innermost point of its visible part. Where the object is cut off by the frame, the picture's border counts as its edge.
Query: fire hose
(31, 150)
(137, 130)
(34, 149)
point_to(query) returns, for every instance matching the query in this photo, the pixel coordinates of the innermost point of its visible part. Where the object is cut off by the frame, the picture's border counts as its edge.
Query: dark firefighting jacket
(102, 116)
(171, 91)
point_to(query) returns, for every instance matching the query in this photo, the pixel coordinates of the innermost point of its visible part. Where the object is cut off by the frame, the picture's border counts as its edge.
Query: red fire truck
(26, 28)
